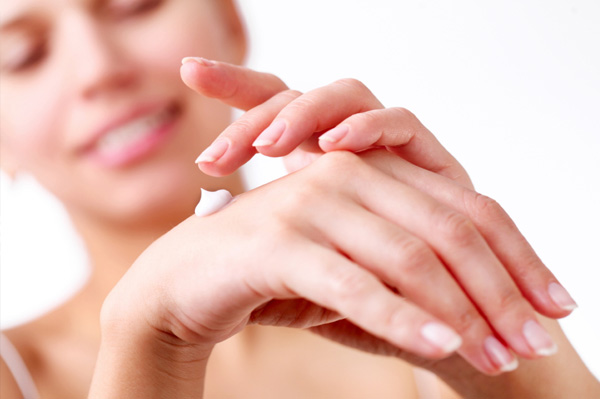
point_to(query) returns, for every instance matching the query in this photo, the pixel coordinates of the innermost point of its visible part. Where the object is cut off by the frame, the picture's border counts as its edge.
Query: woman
(115, 137)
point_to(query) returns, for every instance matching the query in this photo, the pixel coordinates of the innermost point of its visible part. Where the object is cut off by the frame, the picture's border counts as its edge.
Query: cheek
(181, 30)
(178, 33)
(32, 120)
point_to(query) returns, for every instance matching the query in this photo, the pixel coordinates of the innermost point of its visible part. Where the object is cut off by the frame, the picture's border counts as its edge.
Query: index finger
(234, 85)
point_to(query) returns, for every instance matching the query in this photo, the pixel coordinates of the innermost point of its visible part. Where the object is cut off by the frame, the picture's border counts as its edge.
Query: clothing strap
(17, 367)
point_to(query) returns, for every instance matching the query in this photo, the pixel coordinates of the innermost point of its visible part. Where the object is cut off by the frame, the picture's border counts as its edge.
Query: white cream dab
(212, 201)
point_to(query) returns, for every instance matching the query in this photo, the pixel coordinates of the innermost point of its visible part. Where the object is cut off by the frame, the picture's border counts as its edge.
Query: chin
(157, 194)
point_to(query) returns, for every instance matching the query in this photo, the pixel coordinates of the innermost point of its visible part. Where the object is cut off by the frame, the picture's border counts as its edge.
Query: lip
(138, 148)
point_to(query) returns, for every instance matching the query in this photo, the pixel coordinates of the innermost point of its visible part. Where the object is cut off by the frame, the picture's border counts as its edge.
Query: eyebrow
(22, 19)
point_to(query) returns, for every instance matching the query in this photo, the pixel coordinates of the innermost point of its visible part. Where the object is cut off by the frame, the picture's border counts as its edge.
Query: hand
(367, 125)
(289, 253)
(352, 111)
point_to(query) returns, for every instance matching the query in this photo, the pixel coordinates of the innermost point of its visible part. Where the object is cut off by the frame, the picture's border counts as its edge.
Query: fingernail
(214, 152)
(200, 60)
(270, 135)
(561, 297)
(538, 339)
(336, 134)
(499, 355)
(441, 336)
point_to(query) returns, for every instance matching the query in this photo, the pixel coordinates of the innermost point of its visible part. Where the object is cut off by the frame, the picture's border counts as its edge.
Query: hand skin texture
(290, 254)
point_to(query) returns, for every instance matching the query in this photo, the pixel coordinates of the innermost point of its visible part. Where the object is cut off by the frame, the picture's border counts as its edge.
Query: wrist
(140, 358)
(136, 360)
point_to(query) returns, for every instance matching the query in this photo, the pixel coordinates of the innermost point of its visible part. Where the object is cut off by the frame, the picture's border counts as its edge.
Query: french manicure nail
(214, 152)
(336, 134)
(200, 60)
(561, 297)
(499, 355)
(270, 135)
(441, 336)
(538, 339)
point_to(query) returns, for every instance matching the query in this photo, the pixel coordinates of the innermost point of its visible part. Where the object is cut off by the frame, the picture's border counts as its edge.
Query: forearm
(562, 375)
(137, 360)
(146, 366)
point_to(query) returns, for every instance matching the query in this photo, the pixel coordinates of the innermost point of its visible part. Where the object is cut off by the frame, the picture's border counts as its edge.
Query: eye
(23, 55)
(129, 8)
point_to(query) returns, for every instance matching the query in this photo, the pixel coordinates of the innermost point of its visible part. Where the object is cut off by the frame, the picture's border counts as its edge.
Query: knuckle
(329, 175)
(353, 84)
(484, 208)
(530, 268)
(412, 255)
(458, 228)
(301, 198)
(346, 284)
(402, 113)
(340, 163)
(467, 319)
(509, 299)
(289, 94)
(364, 120)
(398, 318)
(302, 103)
(240, 127)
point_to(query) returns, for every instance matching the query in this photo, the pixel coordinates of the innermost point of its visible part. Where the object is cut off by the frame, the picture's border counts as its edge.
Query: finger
(314, 111)
(348, 334)
(462, 249)
(534, 279)
(233, 147)
(293, 313)
(336, 283)
(408, 264)
(403, 134)
(235, 85)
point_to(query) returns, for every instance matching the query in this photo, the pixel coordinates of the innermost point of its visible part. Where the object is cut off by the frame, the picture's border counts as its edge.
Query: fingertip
(199, 60)
(499, 355)
(220, 160)
(210, 169)
(215, 151)
(270, 135)
(336, 134)
(189, 72)
(538, 339)
(206, 77)
(561, 297)
(441, 337)
(218, 168)
(551, 301)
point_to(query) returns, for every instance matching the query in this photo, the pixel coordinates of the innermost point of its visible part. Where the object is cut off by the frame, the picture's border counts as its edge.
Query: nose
(99, 65)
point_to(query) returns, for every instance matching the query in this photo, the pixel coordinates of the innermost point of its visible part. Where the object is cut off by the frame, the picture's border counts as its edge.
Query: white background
(511, 88)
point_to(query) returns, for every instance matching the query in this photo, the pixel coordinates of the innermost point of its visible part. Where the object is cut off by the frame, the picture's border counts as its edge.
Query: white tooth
(130, 132)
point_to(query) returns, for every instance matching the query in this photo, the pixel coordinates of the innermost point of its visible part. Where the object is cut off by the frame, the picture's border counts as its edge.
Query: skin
(159, 327)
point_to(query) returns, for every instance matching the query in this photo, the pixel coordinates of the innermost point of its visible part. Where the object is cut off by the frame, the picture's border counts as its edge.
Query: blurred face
(93, 106)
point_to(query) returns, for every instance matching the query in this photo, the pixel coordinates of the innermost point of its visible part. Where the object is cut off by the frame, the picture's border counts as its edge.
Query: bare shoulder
(8, 386)
(25, 339)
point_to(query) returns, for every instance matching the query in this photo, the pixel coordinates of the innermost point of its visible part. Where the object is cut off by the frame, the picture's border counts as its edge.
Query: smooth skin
(78, 66)
(182, 307)
(305, 294)
(475, 253)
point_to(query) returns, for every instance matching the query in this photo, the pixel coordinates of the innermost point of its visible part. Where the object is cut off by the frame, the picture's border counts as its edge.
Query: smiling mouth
(136, 138)
(125, 135)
